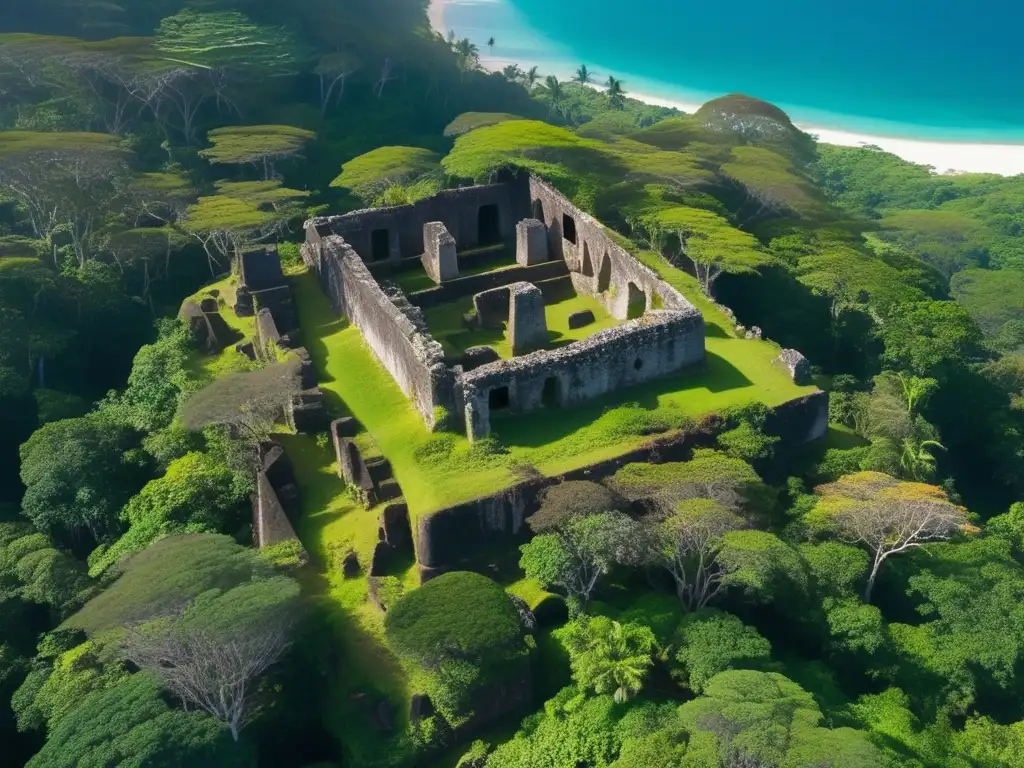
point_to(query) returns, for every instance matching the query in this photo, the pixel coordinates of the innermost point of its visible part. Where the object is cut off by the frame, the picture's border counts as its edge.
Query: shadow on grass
(536, 429)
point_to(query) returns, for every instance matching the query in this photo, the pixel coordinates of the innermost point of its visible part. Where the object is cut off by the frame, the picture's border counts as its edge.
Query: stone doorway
(498, 399)
(380, 245)
(489, 225)
(569, 228)
(637, 302)
(551, 395)
(604, 278)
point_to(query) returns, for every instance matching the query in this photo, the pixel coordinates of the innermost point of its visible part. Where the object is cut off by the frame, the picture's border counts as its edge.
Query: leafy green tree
(197, 493)
(583, 75)
(764, 567)
(615, 92)
(554, 93)
(531, 77)
(258, 145)
(56, 687)
(131, 723)
(926, 336)
(78, 473)
(687, 544)
(884, 515)
(569, 500)
(764, 718)
(711, 641)
(65, 182)
(584, 549)
(707, 240)
(168, 574)
(32, 569)
(608, 657)
(213, 654)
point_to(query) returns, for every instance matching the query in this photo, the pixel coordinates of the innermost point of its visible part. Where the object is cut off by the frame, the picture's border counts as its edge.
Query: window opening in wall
(638, 364)
(637, 302)
(354, 463)
(588, 267)
(569, 228)
(498, 398)
(538, 211)
(551, 395)
(604, 279)
(488, 225)
(380, 245)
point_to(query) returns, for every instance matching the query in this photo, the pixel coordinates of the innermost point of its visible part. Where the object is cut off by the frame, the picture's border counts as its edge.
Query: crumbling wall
(599, 266)
(527, 324)
(458, 209)
(660, 343)
(407, 351)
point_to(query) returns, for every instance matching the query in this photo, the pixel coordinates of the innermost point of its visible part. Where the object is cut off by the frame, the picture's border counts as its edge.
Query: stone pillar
(531, 242)
(439, 257)
(527, 325)
(478, 416)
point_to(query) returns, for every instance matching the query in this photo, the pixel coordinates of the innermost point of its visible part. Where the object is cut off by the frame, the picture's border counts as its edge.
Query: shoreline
(944, 156)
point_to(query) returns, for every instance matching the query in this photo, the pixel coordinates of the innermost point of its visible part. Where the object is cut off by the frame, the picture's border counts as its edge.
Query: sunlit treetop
(255, 143)
(368, 175)
(470, 121)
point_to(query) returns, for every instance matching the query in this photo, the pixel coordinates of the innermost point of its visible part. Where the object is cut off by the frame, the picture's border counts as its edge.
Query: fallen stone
(581, 319)
(796, 365)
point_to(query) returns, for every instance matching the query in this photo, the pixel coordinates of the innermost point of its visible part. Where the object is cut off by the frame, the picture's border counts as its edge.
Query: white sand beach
(943, 156)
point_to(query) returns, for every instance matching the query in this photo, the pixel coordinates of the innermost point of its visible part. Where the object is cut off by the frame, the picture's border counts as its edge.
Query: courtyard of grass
(208, 367)
(439, 470)
(445, 324)
(415, 277)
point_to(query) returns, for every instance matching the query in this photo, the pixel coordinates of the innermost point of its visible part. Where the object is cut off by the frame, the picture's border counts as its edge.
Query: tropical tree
(575, 558)
(687, 544)
(707, 240)
(616, 94)
(65, 182)
(885, 515)
(513, 73)
(333, 70)
(257, 145)
(555, 92)
(370, 175)
(608, 657)
(531, 77)
(711, 641)
(490, 44)
(468, 55)
(583, 75)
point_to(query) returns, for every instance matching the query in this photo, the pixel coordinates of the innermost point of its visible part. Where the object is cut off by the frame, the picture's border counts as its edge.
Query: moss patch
(207, 367)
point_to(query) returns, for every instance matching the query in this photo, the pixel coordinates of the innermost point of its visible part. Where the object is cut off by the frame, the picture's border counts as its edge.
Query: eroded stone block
(527, 324)
(531, 242)
(581, 319)
(439, 257)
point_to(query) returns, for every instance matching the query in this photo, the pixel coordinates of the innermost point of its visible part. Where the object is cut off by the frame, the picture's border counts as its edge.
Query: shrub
(711, 641)
(571, 499)
(459, 615)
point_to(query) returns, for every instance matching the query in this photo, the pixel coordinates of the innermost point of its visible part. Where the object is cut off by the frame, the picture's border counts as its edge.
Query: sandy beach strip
(943, 156)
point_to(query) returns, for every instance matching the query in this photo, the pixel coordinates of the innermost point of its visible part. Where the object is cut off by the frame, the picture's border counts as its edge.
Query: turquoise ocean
(946, 70)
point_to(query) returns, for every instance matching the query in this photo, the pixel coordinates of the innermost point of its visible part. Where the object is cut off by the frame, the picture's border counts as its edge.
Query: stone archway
(588, 266)
(637, 302)
(604, 277)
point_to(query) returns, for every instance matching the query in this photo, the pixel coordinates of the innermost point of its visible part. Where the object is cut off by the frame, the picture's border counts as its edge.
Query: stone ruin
(555, 243)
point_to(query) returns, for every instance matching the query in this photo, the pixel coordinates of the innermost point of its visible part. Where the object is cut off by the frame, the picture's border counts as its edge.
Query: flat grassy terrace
(445, 324)
(439, 470)
(208, 367)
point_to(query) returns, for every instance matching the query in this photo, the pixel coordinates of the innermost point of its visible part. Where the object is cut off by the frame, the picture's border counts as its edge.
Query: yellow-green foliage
(255, 143)
(771, 179)
(481, 153)
(369, 175)
(25, 142)
(470, 121)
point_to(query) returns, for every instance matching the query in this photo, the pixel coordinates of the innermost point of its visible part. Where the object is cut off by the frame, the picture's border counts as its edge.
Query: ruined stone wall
(660, 343)
(599, 266)
(411, 356)
(458, 209)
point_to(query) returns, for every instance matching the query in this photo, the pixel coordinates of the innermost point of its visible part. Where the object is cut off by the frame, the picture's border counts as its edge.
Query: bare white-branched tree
(885, 515)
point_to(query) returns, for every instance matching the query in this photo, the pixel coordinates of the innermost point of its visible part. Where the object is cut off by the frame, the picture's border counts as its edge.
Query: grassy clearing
(207, 367)
(332, 522)
(438, 470)
(445, 324)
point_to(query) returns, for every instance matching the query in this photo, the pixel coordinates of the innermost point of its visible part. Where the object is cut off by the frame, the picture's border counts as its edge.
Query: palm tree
(468, 53)
(917, 462)
(513, 73)
(531, 78)
(616, 95)
(608, 656)
(554, 89)
(582, 75)
(490, 44)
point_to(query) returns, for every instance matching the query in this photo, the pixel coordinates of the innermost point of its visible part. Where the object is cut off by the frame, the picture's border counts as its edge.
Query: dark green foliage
(459, 615)
(131, 723)
(710, 641)
(571, 499)
(168, 574)
(78, 473)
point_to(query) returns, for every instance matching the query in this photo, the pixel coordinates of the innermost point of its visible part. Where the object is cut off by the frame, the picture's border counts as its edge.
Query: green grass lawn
(445, 324)
(208, 367)
(437, 471)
